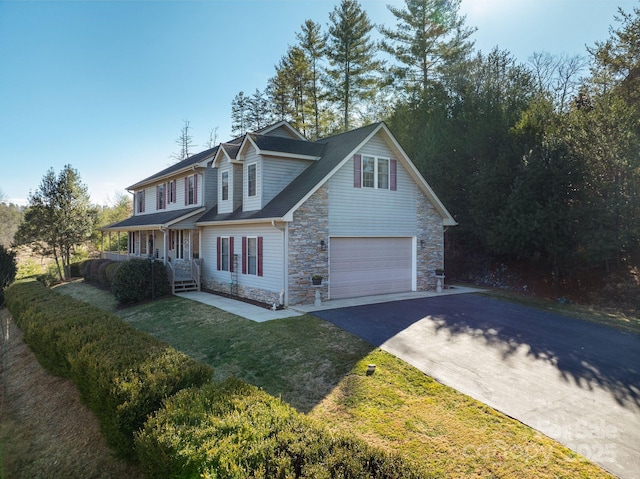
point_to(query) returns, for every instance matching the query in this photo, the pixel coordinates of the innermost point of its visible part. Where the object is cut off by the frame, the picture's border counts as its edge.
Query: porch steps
(184, 285)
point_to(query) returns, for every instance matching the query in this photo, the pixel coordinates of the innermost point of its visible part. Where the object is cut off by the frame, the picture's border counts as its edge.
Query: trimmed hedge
(122, 374)
(132, 280)
(233, 430)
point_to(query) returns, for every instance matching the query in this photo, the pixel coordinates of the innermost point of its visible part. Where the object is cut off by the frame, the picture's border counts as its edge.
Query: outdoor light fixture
(421, 244)
(323, 245)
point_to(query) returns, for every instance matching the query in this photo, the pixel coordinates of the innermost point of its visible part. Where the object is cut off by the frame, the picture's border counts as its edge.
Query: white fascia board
(239, 222)
(279, 154)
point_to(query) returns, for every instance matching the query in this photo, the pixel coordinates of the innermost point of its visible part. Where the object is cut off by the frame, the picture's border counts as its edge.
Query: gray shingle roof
(334, 150)
(153, 219)
(287, 145)
(187, 162)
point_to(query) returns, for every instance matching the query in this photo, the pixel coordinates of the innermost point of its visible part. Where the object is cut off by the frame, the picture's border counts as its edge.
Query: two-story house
(262, 214)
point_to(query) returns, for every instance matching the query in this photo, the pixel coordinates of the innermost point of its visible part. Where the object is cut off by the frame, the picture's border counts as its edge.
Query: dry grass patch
(45, 431)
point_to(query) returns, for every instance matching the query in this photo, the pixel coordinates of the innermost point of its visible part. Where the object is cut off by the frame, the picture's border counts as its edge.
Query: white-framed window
(252, 179)
(171, 192)
(191, 190)
(140, 201)
(252, 261)
(225, 253)
(225, 185)
(252, 255)
(160, 198)
(375, 172)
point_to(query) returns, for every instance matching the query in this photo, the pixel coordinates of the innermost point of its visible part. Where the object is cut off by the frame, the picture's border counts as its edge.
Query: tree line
(537, 162)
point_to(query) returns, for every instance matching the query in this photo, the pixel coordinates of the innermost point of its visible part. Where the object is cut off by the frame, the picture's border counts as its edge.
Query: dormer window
(251, 179)
(225, 185)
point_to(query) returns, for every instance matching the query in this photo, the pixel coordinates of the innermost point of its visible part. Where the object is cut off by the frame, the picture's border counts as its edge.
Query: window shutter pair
(195, 190)
(357, 173)
(245, 258)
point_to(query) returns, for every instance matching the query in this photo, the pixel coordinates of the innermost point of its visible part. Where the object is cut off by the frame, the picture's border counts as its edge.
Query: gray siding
(237, 186)
(277, 173)
(372, 212)
(210, 189)
(272, 280)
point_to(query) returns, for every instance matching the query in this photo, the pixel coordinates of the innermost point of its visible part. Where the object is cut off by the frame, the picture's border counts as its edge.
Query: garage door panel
(370, 266)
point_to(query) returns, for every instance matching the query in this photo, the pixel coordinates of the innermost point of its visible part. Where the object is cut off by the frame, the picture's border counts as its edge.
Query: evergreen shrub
(132, 280)
(122, 374)
(232, 430)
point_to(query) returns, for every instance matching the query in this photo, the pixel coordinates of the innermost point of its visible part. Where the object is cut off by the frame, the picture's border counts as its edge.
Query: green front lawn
(321, 370)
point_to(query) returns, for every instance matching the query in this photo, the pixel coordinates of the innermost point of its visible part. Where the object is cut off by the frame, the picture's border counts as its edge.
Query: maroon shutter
(195, 189)
(259, 255)
(164, 197)
(231, 254)
(157, 197)
(357, 171)
(393, 175)
(186, 190)
(244, 255)
(219, 247)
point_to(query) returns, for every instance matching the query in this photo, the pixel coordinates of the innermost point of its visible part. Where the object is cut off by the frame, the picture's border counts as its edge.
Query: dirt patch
(45, 431)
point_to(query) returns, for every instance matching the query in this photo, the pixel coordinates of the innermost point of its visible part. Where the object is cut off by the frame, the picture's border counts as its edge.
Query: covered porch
(171, 238)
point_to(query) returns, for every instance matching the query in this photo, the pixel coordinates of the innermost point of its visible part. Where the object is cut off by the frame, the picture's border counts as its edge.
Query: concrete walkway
(259, 314)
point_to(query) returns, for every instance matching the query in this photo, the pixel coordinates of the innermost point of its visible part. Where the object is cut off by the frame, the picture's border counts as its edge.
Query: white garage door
(369, 266)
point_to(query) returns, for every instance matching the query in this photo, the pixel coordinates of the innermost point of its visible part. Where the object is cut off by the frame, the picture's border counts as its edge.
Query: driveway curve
(576, 382)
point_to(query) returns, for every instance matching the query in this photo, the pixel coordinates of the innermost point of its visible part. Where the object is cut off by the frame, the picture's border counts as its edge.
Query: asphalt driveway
(574, 381)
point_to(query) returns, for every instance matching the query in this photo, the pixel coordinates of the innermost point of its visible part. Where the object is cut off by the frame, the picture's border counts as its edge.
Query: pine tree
(313, 42)
(429, 35)
(354, 70)
(239, 114)
(257, 111)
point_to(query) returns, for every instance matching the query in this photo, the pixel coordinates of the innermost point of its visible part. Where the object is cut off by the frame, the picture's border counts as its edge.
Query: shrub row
(123, 374)
(233, 430)
(130, 281)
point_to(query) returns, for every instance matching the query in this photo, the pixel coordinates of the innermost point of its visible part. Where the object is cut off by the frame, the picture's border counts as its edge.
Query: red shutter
(244, 255)
(186, 190)
(259, 255)
(219, 252)
(357, 171)
(195, 189)
(393, 175)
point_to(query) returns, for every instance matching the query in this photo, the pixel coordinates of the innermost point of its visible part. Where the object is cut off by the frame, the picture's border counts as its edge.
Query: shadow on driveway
(584, 353)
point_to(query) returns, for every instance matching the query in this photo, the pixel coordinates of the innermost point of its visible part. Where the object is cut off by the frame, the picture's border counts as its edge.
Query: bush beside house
(8, 270)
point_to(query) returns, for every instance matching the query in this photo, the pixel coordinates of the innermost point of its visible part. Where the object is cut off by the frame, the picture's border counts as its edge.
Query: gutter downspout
(285, 261)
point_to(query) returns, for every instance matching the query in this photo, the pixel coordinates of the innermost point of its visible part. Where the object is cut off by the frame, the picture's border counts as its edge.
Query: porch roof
(160, 220)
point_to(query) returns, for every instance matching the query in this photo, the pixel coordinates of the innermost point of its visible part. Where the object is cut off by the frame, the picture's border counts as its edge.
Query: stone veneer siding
(256, 294)
(431, 256)
(309, 227)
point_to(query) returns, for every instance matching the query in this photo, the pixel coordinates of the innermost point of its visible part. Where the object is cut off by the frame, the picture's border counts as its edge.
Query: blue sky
(106, 85)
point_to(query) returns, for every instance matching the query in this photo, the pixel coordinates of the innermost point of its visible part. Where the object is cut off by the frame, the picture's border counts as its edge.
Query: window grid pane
(368, 172)
(252, 180)
(383, 174)
(252, 256)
